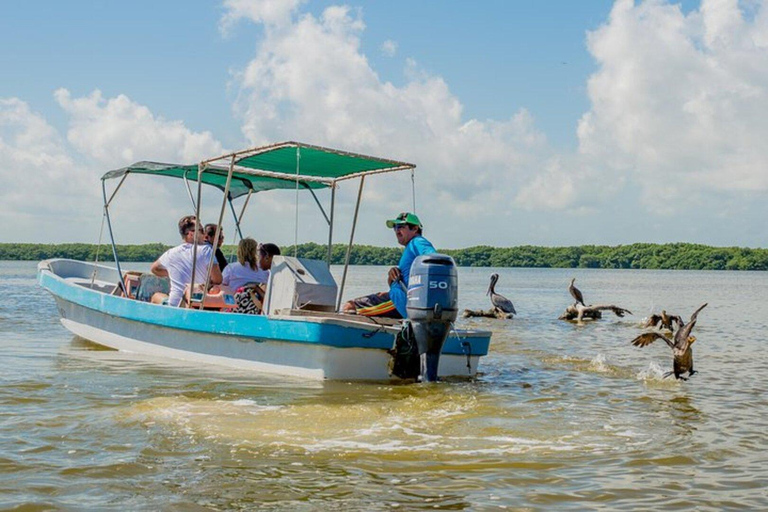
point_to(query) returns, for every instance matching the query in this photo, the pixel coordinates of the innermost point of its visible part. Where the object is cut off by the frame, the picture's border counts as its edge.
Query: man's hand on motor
(394, 275)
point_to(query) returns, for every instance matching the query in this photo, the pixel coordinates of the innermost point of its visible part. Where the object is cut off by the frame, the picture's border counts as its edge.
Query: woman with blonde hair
(246, 270)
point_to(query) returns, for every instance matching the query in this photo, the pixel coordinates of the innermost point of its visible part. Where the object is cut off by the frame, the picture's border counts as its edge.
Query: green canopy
(240, 185)
(328, 165)
(278, 166)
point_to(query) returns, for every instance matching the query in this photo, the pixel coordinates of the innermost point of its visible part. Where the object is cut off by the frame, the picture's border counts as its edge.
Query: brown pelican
(578, 312)
(681, 346)
(499, 302)
(664, 320)
(575, 293)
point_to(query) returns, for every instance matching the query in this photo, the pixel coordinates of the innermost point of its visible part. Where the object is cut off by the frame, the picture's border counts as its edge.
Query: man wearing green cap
(392, 304)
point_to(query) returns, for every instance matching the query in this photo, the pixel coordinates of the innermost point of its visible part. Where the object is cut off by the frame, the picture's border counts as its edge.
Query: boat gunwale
(286, 328)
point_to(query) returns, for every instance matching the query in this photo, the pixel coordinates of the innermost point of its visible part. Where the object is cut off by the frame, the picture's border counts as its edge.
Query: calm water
(564, 417)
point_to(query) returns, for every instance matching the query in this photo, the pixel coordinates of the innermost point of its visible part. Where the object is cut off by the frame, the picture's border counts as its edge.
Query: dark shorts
(376, 304)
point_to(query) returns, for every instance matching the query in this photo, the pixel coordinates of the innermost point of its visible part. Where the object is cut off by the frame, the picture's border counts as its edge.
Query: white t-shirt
(178, 262)
(236, 275)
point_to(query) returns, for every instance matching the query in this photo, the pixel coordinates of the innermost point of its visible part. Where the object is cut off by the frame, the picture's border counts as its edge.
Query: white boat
(301, 332)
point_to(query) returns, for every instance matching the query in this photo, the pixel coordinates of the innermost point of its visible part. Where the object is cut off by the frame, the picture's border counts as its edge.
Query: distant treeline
(647, 256)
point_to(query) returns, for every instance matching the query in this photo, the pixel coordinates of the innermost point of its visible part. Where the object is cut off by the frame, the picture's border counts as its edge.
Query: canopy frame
(359, 165)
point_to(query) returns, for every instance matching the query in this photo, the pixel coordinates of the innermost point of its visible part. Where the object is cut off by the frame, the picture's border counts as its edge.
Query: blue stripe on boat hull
(307, 360)
(247, 327)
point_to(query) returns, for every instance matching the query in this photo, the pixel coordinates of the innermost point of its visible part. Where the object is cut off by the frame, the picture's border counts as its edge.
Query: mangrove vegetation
(637, 256)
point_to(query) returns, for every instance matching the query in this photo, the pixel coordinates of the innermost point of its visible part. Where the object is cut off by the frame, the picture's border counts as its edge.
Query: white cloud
(118, 131)
(310, 81)
(550, 189)
(268, 12)
(679, 100)
(50, 185)
(676, 119)
(113, 132)
(39, 180)
(389, 48)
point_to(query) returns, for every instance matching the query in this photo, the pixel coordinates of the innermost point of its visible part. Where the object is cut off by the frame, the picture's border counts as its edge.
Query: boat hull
(307, 347)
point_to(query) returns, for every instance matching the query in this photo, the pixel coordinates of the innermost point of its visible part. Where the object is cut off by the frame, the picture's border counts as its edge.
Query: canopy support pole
(107, 202)
(234, 214)
(111, 235)
(330, 224)
(245, 205)
(218, 232)
(239, 218)
(197, 226)
(189, 191)
(120, 184)
(319, 205)
(351, 239)
(296, 220)
(237, 228)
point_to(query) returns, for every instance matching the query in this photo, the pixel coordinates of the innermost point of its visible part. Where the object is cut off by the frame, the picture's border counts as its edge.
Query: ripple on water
(348, 430)
(563, 416)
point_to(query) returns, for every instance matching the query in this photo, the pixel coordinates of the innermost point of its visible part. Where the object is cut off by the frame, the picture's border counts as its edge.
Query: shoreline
(673, 256)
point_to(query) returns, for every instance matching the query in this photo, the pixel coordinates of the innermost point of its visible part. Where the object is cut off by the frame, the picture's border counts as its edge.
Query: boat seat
(149, 284)
(216, 299)
(131, 282)
(99, 286)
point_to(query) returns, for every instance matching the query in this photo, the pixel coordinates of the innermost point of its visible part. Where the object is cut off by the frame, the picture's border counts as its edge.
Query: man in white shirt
(176, 263)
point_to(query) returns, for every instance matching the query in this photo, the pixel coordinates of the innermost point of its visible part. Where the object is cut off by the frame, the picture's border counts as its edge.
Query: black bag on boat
(249, 300)
(406, 363)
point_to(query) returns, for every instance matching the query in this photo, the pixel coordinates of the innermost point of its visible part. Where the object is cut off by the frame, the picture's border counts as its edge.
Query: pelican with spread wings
(578, 312)
(664, 321)
(681, 346)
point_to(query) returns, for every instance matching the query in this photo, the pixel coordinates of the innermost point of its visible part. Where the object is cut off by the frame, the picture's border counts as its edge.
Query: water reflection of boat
(301, 333)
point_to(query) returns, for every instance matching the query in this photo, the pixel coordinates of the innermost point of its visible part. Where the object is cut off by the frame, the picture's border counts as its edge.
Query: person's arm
(393, 275)
(225, 275)
(215, 274)
(158, 269)
(399, 297)
(221, 260)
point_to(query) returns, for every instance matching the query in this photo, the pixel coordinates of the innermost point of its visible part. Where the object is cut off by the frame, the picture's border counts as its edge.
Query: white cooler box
(298, 283)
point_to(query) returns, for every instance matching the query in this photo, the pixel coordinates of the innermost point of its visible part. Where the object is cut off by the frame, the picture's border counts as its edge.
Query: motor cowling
(433, 299)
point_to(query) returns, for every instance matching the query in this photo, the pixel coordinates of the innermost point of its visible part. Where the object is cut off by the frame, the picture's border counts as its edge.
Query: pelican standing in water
(499, 302)
(576, 293)
(681, 346)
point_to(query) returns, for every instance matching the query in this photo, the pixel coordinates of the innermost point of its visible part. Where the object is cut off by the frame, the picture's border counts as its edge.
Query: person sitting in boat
(392, 304)
(210, 233)
(253, 276)
(246, 269)
(266, 253)
(176, 263)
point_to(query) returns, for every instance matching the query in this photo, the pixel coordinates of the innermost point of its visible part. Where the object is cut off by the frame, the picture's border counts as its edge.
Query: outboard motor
(433, 299)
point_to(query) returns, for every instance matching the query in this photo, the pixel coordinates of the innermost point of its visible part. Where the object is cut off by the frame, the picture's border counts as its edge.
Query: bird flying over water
(664, 320)
(681, 346)
(575, 293)
(499, 302)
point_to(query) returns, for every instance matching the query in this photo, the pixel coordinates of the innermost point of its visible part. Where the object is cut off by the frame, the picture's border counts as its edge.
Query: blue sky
(551, 123)
(171, 56)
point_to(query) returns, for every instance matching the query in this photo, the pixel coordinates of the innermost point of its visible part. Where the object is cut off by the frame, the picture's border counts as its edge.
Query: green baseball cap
(404, 218)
